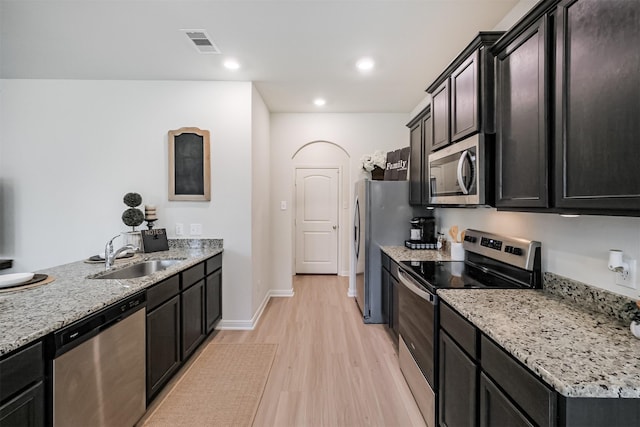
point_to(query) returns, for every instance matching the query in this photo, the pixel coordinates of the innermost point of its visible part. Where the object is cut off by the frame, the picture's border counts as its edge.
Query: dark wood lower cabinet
(163, 345)
(26, 409)
(182, 311)
(193, 329)
(213, 293)
(496, 409)
(458, 382)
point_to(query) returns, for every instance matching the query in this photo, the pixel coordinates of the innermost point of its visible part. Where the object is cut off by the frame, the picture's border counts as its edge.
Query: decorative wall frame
(189, 165)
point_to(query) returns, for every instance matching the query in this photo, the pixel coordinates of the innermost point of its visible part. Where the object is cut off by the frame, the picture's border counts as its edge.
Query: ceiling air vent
(202, 41)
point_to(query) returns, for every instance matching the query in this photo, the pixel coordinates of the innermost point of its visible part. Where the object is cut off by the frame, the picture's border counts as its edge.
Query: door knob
(335, 226)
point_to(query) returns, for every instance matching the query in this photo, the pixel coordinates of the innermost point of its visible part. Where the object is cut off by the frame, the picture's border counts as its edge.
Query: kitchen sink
(139, 269)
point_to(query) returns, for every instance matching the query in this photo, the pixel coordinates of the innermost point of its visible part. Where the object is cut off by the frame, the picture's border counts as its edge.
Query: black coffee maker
(423, 233)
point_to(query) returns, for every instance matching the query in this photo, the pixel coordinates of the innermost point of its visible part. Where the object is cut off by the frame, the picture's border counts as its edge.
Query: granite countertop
(401, 253)
(29, 314)
(579, 352)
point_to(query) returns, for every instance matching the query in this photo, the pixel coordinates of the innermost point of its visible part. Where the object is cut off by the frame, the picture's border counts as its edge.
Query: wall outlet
(179, 229)
(196, 229)
(629, 280)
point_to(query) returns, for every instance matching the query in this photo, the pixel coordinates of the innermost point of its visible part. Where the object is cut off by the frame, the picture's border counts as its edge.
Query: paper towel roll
(615, 259)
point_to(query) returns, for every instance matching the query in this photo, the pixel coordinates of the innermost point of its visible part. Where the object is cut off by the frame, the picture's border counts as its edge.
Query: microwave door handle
(463, 187)
(408, 283)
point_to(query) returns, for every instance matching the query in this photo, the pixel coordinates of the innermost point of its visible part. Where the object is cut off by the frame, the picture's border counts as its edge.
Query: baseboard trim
(250, 325)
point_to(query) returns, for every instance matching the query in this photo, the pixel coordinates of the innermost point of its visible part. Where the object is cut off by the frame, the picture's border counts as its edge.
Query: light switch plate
(179, 229)
(283, 205)
(196, 229)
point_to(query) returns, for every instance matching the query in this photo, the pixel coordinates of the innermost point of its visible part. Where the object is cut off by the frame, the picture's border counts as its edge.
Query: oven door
(417, 344)
(456, 174)
(418, 324)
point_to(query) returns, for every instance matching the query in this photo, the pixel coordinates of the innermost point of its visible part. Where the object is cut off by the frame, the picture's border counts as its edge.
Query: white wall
(356, 134)
(72, 149)
(260, 191)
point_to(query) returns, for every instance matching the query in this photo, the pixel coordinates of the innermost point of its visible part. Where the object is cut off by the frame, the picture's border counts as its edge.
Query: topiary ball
(132, 217)
(132, 199)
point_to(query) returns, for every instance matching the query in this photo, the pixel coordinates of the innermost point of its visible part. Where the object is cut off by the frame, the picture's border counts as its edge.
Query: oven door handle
(410, 284)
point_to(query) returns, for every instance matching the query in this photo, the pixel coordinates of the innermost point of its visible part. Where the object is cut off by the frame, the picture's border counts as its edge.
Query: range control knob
(508, 249)
(516, 251)
(470, 239)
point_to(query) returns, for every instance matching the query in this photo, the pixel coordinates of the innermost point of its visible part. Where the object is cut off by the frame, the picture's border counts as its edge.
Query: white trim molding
(250, 325)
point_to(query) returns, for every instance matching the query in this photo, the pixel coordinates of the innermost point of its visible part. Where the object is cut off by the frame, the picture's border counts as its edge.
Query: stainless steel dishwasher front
(99, 368)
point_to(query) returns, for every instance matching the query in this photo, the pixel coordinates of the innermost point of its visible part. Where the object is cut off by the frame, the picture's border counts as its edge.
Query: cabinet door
(163, 345)
(395, 306)
(416, 164)
(214, 299)
(465, 84)
(521, 124)
(26, 409)
(386, 297)
(458, 382)
(193, 318)
(440, 136)
(496, 409)
(597, 105)
(427, 123)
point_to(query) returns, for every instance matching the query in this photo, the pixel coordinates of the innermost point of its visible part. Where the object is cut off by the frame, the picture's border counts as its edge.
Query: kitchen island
(29, 314)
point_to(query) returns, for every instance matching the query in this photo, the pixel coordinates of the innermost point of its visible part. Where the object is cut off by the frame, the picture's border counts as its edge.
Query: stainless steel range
(491, 262)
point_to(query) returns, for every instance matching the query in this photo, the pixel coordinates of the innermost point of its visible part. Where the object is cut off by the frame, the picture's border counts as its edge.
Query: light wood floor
(330, 369)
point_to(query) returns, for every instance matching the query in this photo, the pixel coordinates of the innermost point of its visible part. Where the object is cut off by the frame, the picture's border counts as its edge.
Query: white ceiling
(294, 51)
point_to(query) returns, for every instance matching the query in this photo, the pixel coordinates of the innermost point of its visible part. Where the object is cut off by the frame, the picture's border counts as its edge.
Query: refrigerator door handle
(356, 228)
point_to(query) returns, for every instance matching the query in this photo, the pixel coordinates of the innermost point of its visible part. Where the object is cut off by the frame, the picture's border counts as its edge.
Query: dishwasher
(99, 367)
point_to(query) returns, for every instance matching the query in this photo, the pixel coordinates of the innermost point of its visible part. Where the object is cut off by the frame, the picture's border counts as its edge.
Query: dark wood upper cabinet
(440, 103)
(462, 97)
(522, 130)
(420, 143)
(597, 105)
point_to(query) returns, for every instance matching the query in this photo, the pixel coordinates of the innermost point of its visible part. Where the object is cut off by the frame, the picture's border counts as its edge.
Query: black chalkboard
(154, 240)
(189, 164)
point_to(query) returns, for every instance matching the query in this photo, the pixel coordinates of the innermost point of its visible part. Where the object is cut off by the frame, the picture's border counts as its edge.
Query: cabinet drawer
(20, 369)
(163, 291)
(525, 389)
(212, 264)
(192, 275)
(460, 329)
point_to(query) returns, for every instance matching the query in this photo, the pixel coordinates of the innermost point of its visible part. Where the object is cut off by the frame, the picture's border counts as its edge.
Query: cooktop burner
(491, 261)
(455, 274)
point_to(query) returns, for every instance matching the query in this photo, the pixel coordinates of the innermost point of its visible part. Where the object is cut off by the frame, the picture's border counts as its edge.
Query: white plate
(13, 279)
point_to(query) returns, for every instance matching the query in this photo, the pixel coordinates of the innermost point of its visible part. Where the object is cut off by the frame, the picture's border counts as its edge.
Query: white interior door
(317, 221)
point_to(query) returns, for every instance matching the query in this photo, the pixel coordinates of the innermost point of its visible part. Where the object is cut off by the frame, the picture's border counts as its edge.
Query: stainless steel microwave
(458, 174)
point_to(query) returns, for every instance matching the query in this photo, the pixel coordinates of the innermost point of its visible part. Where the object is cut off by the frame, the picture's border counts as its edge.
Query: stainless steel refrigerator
(381, 218)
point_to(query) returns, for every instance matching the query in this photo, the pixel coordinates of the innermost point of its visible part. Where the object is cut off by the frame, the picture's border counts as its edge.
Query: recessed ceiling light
(365, 64)
(319, 102)
(231, 64)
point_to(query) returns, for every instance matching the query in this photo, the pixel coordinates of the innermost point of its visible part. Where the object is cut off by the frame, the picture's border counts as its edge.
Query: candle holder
(150, 222)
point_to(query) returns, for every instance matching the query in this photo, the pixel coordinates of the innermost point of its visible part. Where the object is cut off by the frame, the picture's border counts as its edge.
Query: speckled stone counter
(401, 253)
(29, 314)
(579, 352)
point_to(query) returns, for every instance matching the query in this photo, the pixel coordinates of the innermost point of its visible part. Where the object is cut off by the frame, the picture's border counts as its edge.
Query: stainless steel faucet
(110, 256)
